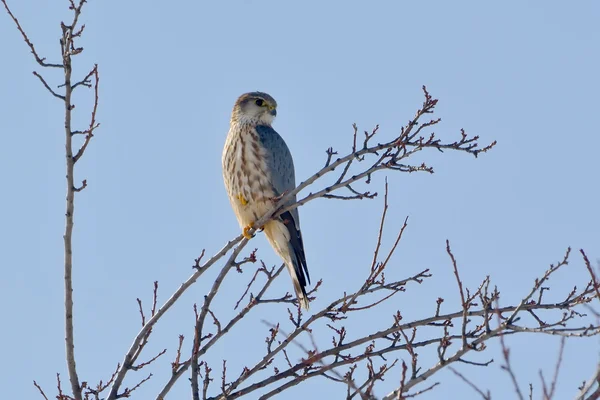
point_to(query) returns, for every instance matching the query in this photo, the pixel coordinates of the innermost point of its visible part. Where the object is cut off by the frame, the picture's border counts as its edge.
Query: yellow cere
(266, 104)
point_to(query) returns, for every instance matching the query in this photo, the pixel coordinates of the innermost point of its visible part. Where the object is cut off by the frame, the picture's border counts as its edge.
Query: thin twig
(40, 60)
(41, 78)
(484, 396)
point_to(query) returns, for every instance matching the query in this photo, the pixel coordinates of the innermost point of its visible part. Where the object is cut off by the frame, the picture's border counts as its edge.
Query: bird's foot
(277, 198)
(242, 199)
(245, 232)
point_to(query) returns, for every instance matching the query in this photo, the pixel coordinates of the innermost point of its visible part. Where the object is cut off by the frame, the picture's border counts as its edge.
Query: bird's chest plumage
(246, 174)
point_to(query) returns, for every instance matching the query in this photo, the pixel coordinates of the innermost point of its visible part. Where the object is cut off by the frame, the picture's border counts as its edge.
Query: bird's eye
(259, 102)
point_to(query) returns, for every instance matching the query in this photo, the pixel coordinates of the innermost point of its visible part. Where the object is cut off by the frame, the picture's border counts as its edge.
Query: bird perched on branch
(257, 170)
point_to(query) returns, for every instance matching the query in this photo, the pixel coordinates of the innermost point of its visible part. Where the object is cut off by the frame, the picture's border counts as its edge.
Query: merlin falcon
(257, 170)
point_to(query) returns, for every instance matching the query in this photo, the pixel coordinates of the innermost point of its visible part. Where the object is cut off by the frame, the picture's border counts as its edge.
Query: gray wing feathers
(281, 165)
(279, 159)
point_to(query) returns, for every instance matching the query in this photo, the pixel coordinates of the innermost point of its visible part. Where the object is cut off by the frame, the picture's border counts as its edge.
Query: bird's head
(255, 107)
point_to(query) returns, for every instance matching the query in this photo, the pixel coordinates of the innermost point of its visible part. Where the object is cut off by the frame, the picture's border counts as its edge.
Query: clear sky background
(524, 73)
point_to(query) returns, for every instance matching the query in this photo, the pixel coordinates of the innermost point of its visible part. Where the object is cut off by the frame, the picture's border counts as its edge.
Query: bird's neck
(241, 120)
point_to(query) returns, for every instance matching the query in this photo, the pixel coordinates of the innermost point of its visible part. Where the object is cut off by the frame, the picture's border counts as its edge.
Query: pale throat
(262, 119)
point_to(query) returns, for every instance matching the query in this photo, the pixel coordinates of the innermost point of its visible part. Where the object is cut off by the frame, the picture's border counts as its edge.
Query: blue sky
(522, 73)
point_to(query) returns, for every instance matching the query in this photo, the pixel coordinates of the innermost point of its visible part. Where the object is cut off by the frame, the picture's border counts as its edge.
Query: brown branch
(224, 378)
(168, 304)
(203, 313)
(587, 387)
(141, 311)
(549, 394)
(93, 125)
(389, 155)
(392, 154)
(584, 331)
(216, 321)
(61, 395)
(507, 366)
(381, 225)
(377, 268)
(330, 154)
(80, 188)
(366, 389)
(330, 312)
(67, 41)
(177, 363)
(501, 330)
(68, 49)
(484, 396)
(100, 387)
(206, 381)
(411, 351)
(420, 392)
(388, 160)
(154, 299)
(86, 80)
(215, 338)
(146, 337)
(59, 96)
(39, 388)
(592, 274)
(127, 392)
(314, 371)
(539, 282)
(40, 60)
(142, 365)
(374, 268)
(463, 301)
(261, 269)
(339, 348)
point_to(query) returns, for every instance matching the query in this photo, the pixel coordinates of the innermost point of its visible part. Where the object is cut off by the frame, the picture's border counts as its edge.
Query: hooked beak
(273, 112)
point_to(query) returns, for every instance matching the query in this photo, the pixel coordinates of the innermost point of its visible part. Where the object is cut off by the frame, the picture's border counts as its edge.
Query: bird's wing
(279, 159)
(281, 166)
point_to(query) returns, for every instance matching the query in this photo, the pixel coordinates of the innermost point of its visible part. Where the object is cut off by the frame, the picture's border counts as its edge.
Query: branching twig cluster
(390, 156)
(70, 33)
(354, 361)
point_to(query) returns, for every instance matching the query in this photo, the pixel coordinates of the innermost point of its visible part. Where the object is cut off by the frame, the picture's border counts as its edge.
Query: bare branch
(39, 388)
(484, 396)
(93, 125)
(215, 338)
(587, 387)
(507, 366)
(549, 394)
(40, 60)
(369, 155)
(588, 265)
(167, 305)
(391, 153)
(59, 96)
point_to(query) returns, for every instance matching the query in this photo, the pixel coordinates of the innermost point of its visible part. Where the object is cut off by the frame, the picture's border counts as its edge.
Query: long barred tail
(287, 242)
(298, 281)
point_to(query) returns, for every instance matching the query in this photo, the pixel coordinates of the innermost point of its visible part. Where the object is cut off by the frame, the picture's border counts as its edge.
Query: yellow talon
(242, 200)
(245, 232)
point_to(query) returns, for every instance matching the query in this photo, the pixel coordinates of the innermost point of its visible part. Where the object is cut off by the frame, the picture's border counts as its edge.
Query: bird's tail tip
(304, 303)
(301, 294)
